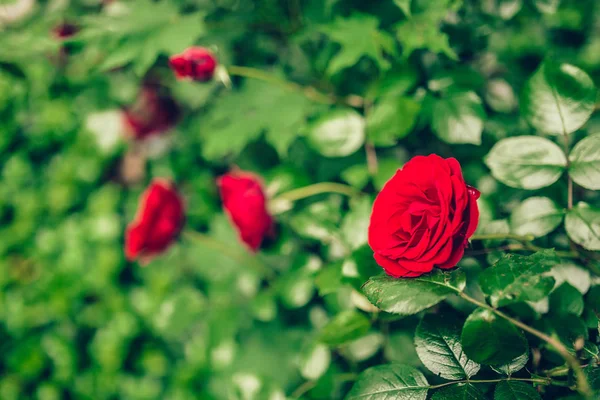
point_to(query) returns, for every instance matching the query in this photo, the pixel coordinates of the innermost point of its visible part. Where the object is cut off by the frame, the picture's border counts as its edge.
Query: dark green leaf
(458, 118)
(526, 162)
(491, 340)
(513, 390)
(407, 296)
(460, 391)
(344, 327)
(585, 162)
(338, 133)
(558, 98)
(583, 225)
(393, 381)
(437, 341)
(516, 278)
(391, 119)
(536, 216)
(593, 375)
(515, 365)
(566, 300)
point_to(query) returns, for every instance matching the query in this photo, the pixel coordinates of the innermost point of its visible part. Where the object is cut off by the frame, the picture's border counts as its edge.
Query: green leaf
(391, 119)
(393, 381)
(515, 365)
(437, 341)
(536, 216)
(338, 133)
(577, 276)
(329, 279)
(314, 361)
(526, 162)
(516, 278)
(460, 391)
(491, 340)
(566, 300)
(344, 327)
(583, 225)
(514, 390)
(558, 99)
(358, 37)
(404, 5)
(407, 296)
(593, 375)
(458, 118)
(422, 31)
(547, 6)
(240, 117)
(584, 160)
(355, 225)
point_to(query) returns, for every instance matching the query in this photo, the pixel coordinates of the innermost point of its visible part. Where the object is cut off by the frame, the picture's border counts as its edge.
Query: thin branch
(583, 386)
(317, 188)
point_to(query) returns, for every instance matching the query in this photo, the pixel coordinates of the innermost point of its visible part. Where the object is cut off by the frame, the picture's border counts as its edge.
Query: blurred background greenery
(79, 322)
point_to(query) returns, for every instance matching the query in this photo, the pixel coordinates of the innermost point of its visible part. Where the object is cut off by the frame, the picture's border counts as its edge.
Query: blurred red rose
(152, 113)
(64, 30)
(423, 217)
(159, 220)
(245, 203)
(195, 63)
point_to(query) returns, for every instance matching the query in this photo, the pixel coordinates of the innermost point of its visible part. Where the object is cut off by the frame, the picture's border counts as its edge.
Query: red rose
(244, 202)
(64, 30)
(196, 63)
(158, 221)
(423, 217)
(152, 113)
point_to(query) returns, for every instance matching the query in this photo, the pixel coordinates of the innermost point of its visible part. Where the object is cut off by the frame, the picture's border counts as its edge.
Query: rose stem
(583, 386)
(308, 91)
(317, 188)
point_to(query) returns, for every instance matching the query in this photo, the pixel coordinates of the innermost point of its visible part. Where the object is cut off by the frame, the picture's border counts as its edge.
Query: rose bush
(330, 200)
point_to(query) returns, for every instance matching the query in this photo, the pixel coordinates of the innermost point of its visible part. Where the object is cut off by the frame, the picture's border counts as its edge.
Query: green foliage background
(321, 91)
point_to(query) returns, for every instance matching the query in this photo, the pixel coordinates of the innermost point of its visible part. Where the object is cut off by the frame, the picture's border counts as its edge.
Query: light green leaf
(358, 37)
(338, 133)
(407, 296)
(458, 118)
(514, 390)
(314, 361)
(583, 225)
(515, 365)
(547, 6)
(516, 278)
(393, 381)
(491, 340)
(536, 216)
(391, 119)
(566, 300)
(344, 327)
(437, 341)
(577, 276)
(558, 99)
(422, 32)
(526, 162)
(404, 5)
(355, 225)
(460, 391)
(584, 165)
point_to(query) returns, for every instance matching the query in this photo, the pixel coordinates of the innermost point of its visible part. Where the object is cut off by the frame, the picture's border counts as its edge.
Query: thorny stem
(317, 188)
(243, 257)
(500, 236)
(308, 91)
(583, 386)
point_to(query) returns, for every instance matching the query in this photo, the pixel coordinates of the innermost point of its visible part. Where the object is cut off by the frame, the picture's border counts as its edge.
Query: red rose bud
(159, 220)
(152, 113)
(423, 217)
(195, 63)
(245, 203)
(64, 31)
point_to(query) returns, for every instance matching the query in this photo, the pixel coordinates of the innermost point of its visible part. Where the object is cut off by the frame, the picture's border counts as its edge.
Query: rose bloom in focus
(245, 203)
(423, 217)
(196, 63)
(160, 218)
(152, 113)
